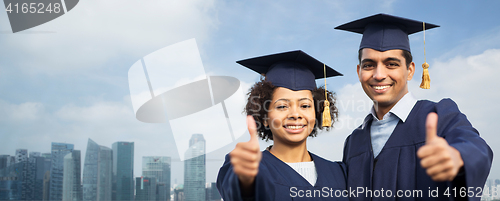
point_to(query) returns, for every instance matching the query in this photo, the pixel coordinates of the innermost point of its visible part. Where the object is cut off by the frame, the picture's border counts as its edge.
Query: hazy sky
(66, 80)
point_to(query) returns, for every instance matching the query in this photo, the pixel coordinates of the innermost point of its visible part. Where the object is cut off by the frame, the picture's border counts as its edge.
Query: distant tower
(59, 150)
(123, 171)
(21, 155)
(214, 193)
(194, 169)
(97, 169)
(158, 167)
(179, 193)
(42, 167)
(72, 188)
(4, 160)
(145, 189)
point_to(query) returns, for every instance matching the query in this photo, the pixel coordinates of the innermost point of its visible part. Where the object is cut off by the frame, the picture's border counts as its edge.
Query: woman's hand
(246, 157)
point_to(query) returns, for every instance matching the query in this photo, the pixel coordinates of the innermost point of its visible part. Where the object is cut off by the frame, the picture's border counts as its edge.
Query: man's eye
(393, 64)
(367, 65)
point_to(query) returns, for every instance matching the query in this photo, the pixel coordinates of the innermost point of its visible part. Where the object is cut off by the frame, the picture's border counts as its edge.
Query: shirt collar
(402, 109)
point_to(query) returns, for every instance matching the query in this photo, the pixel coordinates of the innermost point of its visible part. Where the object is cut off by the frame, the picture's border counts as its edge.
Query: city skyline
(89, 178)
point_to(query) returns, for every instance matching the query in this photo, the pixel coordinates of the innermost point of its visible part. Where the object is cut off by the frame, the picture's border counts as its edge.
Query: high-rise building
(35, 154)
(46, 186)
(194, 169)
(21, 155)
(11, 182)
(11, 161)
(59, 150)
(97, 172)
(42, 168)
(214, 193)
(4, 160)
(72, 188)
(47, 155)
(123, 171)
(145, 189)
(179, 193)
(162, 192)
(158, 167)
(30, 181)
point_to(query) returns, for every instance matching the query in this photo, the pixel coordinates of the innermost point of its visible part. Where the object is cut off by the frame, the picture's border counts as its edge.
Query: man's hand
(441, 160)
(246, 157)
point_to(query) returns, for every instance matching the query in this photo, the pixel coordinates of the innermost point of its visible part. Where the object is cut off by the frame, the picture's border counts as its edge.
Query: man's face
(384, 76)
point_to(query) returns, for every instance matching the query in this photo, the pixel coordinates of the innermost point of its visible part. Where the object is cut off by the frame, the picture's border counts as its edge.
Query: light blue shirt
(381, 130)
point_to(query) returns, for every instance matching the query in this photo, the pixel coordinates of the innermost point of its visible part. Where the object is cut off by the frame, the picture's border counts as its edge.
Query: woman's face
(291, 115)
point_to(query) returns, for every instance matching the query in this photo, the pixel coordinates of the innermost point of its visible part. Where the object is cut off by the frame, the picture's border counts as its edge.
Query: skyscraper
(72, 189)
(4, 161)
(42, 168)
(59, 150)
(35, 154)
(21, 155)
(194, 169)
(214, 193)
(123, 171)
(145, 189)
(11, 182)
(158, 167)
(97, 177)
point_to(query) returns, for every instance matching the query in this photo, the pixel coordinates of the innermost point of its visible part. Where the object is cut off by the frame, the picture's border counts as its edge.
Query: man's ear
(357, 69)
(411, 71)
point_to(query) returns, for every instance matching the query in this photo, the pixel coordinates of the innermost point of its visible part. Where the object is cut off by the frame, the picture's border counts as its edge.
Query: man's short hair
(406, 54)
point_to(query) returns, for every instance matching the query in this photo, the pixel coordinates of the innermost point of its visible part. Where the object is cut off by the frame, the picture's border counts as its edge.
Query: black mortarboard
(293, 70)
(384, 32)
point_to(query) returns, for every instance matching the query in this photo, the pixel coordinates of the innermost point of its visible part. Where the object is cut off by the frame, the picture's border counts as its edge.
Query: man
(408, 149)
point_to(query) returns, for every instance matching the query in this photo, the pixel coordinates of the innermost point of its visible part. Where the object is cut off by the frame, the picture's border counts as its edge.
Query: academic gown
(397, 167)
(276, 180)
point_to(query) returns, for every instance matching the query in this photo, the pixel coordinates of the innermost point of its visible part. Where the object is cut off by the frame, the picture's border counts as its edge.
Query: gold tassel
(426, 79)
(327, 119)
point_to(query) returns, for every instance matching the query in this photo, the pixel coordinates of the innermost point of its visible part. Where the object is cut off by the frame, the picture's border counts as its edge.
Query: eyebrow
(385, 60)
(367, 60)
(287, 100)
(392, 59)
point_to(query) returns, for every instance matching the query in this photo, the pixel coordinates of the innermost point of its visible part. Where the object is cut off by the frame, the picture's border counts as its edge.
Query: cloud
(97, 32)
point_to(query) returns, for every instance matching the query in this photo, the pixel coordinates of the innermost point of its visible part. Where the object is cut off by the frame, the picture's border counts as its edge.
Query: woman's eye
(281, 107)
(306, 106)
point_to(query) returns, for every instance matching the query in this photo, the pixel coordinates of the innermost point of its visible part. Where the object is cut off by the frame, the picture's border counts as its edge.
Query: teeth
(294, 127)
(381, 87)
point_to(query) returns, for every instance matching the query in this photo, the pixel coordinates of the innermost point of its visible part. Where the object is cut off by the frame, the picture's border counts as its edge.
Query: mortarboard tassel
(327, 119)
(426, 79)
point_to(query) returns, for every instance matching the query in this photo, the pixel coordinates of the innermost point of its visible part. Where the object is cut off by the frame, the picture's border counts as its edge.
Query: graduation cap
(294, 70)
(384, 32)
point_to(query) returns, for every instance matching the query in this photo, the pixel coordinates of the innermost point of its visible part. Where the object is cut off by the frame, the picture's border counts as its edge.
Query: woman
(284, 107)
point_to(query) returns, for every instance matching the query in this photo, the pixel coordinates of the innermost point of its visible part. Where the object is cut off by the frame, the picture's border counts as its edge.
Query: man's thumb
(431, 127)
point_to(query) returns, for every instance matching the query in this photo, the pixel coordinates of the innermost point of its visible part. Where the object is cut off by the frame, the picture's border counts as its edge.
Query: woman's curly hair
(259, 99)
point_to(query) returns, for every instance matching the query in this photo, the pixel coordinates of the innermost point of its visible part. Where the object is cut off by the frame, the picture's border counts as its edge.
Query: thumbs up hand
(246, 157)
(441, 160)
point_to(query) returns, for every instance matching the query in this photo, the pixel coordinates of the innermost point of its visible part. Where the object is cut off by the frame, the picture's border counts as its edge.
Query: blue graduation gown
(276, 181)
(397, 167)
